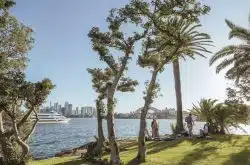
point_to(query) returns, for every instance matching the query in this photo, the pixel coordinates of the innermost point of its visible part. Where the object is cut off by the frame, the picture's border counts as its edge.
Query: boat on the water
(51, 117)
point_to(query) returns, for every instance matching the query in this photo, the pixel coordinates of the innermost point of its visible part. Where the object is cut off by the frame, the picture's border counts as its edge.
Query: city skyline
(62, 52)
(68, 110)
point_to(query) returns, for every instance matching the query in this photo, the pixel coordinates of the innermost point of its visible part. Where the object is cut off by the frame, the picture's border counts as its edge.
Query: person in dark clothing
(190, 124)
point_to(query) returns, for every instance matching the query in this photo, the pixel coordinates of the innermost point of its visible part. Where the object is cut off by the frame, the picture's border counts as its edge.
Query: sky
(62, 52)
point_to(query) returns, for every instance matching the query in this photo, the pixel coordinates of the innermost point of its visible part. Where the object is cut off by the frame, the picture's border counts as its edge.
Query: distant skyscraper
(70, 109)
(88, 111)
(56, 107)
(77, 109)
(82, 111)
(66, 108)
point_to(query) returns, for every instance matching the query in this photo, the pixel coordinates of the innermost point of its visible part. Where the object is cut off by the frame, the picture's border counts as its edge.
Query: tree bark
(9, 154)
(115, 155)
(20, 142)
(141, 156)
(222, 129)
(26, 139)
(1, 123)
(101, 137)
(176, 70)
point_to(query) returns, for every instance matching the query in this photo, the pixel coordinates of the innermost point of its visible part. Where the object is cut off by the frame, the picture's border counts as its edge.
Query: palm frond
(226, 51)
(238, 31)
(225, 63)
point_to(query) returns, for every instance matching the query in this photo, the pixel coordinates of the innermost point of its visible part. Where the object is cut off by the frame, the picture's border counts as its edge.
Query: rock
(63, 153)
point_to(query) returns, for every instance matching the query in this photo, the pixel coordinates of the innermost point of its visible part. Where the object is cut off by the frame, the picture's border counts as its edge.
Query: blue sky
(62, 52)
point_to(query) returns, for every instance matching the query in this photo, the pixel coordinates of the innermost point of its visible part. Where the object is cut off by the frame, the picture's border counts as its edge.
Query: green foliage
(220, 116)
(19, 98)
(173, 128)
(238, 55)
(15, 42)
(205, 109)
(237, 59)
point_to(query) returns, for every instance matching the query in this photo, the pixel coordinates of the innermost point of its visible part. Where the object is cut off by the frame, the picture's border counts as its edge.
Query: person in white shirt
(204, 131)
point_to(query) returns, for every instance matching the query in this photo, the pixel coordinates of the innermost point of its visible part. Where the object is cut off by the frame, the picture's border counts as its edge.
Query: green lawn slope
(222, 150)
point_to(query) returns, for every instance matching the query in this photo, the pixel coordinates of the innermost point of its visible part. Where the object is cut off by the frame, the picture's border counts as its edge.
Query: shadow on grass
(75, 162)
(156, 147)
(196, 155)
(241, 158)
(134, 161)
(125, 147)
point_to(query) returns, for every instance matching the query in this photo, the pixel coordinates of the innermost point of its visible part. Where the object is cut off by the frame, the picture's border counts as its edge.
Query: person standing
(190, 123)
(155, 128)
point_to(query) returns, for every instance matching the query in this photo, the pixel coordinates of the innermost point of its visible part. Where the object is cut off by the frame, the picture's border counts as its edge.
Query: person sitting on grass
(204, 131)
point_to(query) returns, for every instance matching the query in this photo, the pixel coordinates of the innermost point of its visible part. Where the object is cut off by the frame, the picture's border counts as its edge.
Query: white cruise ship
(51, 117)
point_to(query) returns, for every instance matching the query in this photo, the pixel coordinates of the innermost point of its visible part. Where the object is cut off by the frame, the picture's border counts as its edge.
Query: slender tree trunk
(115, 155)
(176, 70)
(141, 156)
(101, 137)
(222, 129)
(1, 122)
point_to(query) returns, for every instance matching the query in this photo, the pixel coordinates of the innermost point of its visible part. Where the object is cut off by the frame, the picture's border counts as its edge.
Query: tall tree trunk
(141, 156)
(101, 137)
(176, 70)
(115, 155)
(222, 129)
(1, 122)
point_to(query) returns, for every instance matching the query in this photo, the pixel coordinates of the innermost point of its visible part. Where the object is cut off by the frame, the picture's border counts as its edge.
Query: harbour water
(48, 139)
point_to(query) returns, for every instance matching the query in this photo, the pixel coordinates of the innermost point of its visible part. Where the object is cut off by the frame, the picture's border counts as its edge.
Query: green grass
(223, 150)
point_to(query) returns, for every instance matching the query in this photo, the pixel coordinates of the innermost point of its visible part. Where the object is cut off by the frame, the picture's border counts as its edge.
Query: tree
(19, 99)
(154, 59)
(104, 43)
(238, 55)
(155, 13)
(187, 41)
(205, 111)
(221, 116)
(184, 41)
(16, 125)
(237, 59)
(100, 80)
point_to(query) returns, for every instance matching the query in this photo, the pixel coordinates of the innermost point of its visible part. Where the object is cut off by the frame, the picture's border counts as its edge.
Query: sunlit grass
(223, 150)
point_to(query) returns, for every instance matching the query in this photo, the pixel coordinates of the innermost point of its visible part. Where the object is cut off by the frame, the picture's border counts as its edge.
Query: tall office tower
(77, 109)
(82, 111)
(70, 109)
(66, 108)
(56, 107)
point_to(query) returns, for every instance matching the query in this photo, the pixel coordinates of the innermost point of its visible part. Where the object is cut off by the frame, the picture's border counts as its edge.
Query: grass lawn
(223, 150)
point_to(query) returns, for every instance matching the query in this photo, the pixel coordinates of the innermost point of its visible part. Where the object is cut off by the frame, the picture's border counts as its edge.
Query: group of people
(190, 123)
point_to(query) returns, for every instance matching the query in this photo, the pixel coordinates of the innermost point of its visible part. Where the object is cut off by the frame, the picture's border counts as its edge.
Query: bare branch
(33, 127)
(24, 146)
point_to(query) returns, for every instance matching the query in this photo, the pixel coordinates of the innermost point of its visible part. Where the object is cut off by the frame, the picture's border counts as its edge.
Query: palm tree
(188, 42)
(161, 49)
(220, 116)
(238, 55)
(205, 111)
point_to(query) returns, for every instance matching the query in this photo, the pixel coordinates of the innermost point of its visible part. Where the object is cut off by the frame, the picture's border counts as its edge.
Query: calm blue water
(49, 139)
